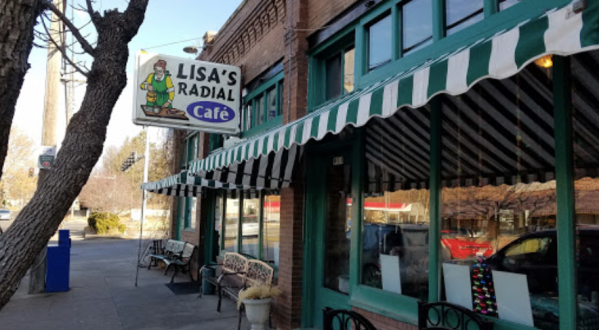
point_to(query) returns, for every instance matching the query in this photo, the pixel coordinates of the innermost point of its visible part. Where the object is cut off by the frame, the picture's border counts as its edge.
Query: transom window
(264, 104)
(339, 72)
(460, 14)
(380, 43)
(417, 25)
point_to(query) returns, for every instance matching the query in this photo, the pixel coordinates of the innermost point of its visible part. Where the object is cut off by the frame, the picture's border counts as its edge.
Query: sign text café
(187, 94)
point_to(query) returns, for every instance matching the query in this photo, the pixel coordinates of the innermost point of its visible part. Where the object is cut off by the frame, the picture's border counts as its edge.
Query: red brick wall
(322, 12)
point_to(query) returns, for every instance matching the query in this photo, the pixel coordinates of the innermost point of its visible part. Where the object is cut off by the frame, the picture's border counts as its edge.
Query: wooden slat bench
(238, 273)
(175, 254)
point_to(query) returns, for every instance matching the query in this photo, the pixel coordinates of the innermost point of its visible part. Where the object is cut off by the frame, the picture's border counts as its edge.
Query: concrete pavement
(103, 296)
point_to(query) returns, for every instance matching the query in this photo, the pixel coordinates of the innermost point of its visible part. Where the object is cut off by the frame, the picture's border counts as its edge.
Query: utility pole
(37, 278)
(143, 201)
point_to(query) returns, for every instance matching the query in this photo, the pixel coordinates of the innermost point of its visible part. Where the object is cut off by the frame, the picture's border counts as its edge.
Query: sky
(166, 21)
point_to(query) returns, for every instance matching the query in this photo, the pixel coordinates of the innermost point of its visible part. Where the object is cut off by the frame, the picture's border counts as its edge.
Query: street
(103, 296)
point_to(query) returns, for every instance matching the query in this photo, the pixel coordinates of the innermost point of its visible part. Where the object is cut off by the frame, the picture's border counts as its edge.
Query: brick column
(288, 312)
(296, 65)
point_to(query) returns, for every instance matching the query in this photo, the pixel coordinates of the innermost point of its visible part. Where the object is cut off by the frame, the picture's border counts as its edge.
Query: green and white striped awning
(564, 31)
(186, 185)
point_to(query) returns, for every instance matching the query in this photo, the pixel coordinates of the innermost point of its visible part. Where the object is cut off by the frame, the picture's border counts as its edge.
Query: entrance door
(328, 239)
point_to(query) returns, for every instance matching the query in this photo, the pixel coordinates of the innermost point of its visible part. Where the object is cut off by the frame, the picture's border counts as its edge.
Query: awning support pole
(143, 203)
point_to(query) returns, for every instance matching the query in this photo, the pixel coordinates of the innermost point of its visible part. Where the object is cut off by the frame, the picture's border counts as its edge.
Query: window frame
(273, 83)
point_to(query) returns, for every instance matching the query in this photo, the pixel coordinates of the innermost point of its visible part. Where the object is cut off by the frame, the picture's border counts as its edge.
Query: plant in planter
(256, 300)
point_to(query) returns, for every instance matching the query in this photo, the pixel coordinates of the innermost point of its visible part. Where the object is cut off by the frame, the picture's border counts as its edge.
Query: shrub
(122, 228)
(260, 291)
(104, 222)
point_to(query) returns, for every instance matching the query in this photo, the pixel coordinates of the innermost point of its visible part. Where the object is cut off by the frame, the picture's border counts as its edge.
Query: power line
(169, 44)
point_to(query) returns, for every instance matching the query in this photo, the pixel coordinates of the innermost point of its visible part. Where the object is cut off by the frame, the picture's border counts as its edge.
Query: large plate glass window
(460, 14)
(380, 43)
(498, 216)
(395, 232)
(270, 228)
(417, 25)
(218, 226)
(231, 224)
(250, 226)
(585, 117)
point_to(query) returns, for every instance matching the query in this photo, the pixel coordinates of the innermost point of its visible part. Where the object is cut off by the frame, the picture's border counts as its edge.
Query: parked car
(5, 215)
(462, 249)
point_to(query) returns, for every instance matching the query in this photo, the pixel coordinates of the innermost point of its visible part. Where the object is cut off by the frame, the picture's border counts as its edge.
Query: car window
(589, 252)
(538, 245)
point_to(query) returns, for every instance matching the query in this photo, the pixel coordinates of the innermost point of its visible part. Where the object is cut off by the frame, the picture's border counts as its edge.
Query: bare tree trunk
(81, 148)
(17, 19)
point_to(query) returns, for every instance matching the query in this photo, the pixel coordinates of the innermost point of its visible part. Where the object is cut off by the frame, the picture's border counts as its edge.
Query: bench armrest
(222, 276)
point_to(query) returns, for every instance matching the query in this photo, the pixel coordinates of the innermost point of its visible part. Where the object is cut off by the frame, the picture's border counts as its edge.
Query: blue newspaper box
(58, 264)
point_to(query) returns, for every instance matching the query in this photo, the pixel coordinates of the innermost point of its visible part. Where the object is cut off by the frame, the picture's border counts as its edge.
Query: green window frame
(189, 152)
(255, 117)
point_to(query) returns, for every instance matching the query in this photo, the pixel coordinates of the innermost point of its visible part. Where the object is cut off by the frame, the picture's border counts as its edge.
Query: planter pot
(257, 312)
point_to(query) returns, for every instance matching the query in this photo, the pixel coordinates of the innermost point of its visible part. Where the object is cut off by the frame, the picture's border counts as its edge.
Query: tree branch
(95, 17)
(134, 16)
(74, 31)
(64, 53)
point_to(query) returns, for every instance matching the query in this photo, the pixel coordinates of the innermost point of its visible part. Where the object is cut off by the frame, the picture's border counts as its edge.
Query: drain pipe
(289, 64)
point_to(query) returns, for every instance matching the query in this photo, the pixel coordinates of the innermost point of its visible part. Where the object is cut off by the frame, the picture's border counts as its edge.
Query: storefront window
(216, 239)
(270, 229)
(250, 226)
(498, 217)
(460, 14)
(231, 224)
(585, 117)
(333, 77)
(337, 228)
(379, 43)
(395, 231)
(417, 25)
(192, 212)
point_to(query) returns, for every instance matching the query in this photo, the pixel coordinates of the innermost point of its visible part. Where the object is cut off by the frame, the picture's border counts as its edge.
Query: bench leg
(201, 278)
(150, 263)
(220, 297)
(175, 274)
(167, 268)
(239, 321)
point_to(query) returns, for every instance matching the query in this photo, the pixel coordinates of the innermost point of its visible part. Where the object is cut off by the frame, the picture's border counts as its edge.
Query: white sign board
(457, 285)
(391, 273)
(186, 94)
(513, 300)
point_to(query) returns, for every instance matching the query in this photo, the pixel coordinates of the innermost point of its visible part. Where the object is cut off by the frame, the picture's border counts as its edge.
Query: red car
(462, 249)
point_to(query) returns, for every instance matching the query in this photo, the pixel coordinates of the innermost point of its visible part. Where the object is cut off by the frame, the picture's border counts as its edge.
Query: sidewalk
(103, 296)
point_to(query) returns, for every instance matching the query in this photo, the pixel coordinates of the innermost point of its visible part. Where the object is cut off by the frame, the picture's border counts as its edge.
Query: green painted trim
(239, 248)
(491, 7)
(361, 54)
(438, 20)
(180, 218)
(564, 168)
(265, 85)
(357, 171)
(434, 242)
(261, 227)
(388, 304)
(396, 33)
(276, 122)
(209, 225)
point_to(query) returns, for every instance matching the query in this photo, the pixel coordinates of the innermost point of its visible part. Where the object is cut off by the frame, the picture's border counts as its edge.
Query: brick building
(410, 142)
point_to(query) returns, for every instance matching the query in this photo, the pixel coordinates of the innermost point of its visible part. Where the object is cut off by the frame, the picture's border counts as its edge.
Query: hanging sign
(186, 94)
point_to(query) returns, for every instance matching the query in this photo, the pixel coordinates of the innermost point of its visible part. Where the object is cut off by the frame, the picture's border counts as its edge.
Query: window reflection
(379, 43)
(460, 14)
(499, 197)
(395, 232)
(585, 116)
(260, 110)
(248, 116)
(348, 70)
(216, 238)
(333, 77)
(505, 4)
(231, 224)
(250, 226)
(271, 106)
(417, 25)
(270, 229)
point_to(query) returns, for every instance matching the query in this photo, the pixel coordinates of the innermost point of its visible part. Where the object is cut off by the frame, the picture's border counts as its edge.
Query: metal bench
(175, 254)
(237, 273)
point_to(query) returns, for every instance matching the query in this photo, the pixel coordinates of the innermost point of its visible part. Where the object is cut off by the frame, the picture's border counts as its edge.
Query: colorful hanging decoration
(483, 290)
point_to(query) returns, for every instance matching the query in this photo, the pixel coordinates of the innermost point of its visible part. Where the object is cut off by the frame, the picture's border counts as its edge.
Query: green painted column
(438, 20)
(396, 34)
(490, 7)
(435, 201)
(564, 168)
(358, 165)
(361, 53)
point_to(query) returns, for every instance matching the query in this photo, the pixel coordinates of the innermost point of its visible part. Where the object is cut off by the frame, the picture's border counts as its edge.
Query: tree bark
(17, 19)
(80, 151)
